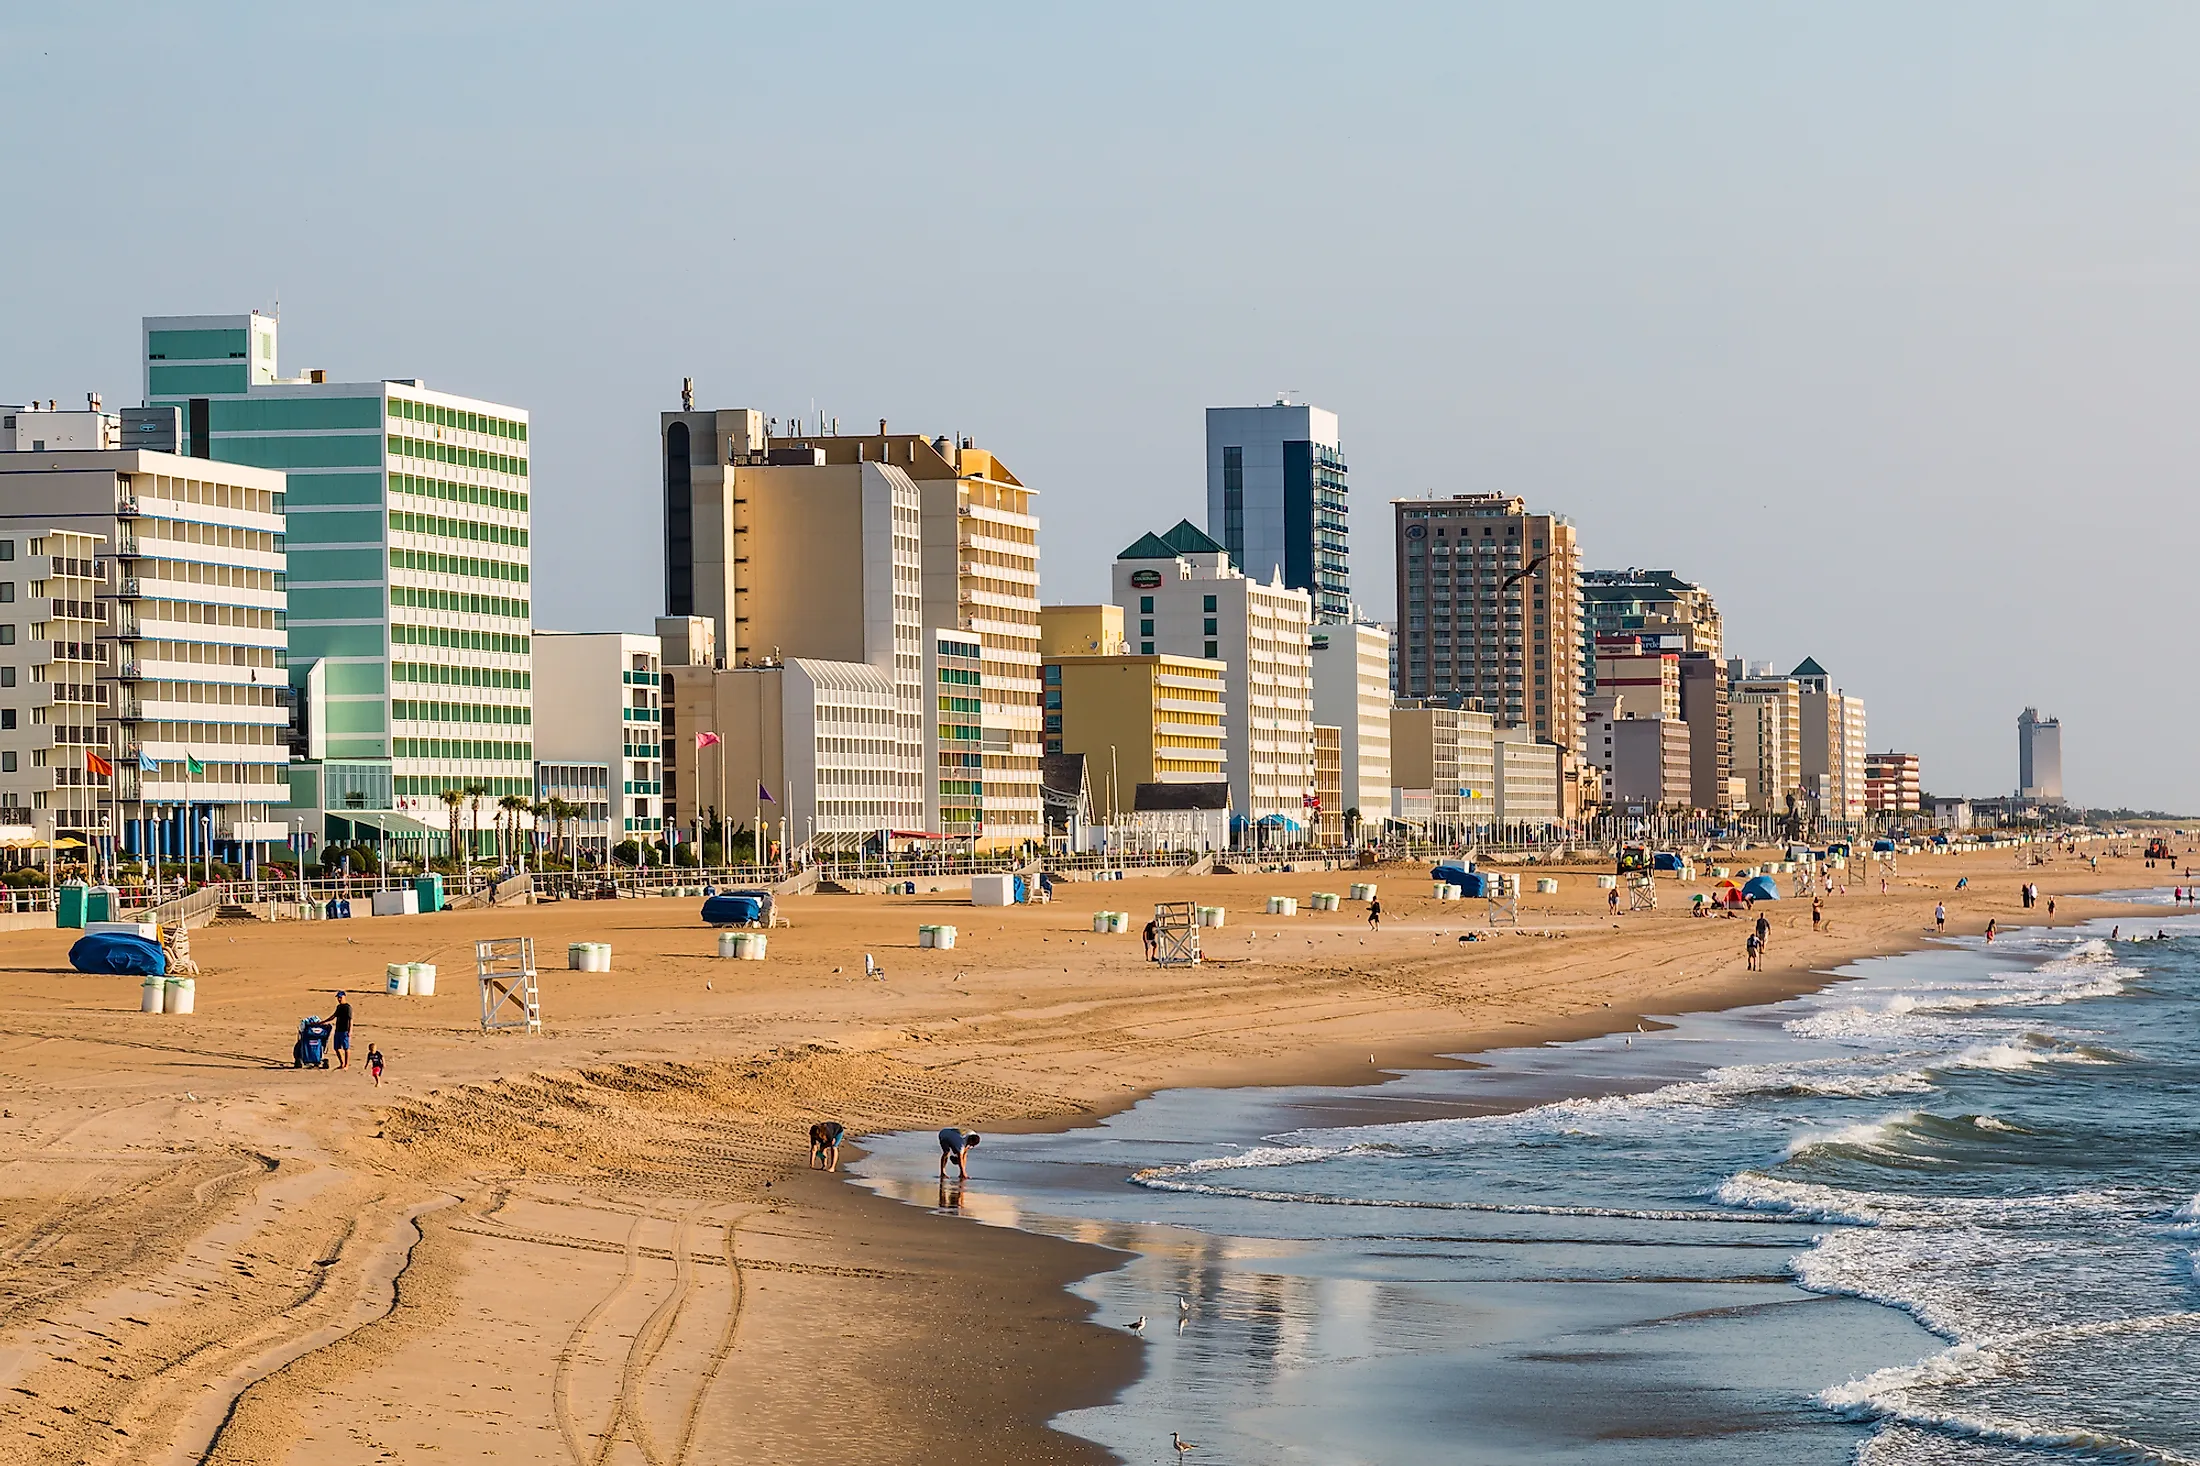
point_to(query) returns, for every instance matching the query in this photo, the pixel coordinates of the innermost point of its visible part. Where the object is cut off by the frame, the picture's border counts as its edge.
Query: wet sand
(603, 1244)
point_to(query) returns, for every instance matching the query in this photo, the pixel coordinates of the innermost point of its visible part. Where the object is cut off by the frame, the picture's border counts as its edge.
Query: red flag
(98, 765)
(705, 740)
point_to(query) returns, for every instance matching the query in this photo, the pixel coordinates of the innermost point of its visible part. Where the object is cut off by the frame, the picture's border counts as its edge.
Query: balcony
(127, 589)
(127, 509)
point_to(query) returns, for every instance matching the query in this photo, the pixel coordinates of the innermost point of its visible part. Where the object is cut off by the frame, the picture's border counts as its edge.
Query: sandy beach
(603, 1244)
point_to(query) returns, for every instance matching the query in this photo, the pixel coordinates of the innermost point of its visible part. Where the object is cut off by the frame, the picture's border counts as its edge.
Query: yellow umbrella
(67, 843)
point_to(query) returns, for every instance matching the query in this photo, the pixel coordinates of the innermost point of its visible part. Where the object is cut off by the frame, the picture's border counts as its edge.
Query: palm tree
(475, 793)
(451, 801)
(564, 812)
(540, 809)
(510, 808)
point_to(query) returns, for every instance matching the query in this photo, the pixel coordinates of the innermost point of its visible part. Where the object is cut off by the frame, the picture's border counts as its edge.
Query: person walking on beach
(2051, 908)
(1749, 946)
(1940, 916)
(1611, 900)
(1989, 931)
(340, 1027)
(955, 1145)
(1817, 911)
(1374, 912)
(1153, 943)
(374, 1064)
(1764, 931)
(825, 1137)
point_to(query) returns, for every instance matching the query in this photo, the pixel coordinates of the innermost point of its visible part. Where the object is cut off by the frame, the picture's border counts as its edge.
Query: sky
(1878, 320)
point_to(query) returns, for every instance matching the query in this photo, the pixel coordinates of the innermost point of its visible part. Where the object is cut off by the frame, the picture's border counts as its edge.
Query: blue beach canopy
(118, 954)
(1761, 888)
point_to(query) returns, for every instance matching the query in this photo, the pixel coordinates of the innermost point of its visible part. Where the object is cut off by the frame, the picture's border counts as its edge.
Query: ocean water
(1946, 1210)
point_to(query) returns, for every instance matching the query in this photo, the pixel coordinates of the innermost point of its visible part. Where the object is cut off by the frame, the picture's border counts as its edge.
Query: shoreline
(1322, 1067)
(633, 1209)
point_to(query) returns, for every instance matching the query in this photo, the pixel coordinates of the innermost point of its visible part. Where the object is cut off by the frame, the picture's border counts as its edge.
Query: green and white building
(410, 604)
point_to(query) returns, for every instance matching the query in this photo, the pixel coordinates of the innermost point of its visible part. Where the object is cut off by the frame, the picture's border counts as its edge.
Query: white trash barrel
(927, 936)
(1100, 920)
(1607, 883)
(576, 956)
(733, 944)
(150, 996)
(181, 994)
(423, 979)
(943, 936)
(400, 980)
(754, 951)
(1546, 886)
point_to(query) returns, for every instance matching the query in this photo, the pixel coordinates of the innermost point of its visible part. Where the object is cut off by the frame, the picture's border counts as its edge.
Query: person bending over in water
(825, 1138)
(955, 1145)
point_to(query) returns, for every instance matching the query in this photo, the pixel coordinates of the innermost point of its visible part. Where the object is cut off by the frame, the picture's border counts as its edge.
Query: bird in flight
(1523, 573)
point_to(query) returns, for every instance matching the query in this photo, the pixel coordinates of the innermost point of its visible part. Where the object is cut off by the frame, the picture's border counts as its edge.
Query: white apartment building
(1529, 778)
(192, 635)
(52, 701)
(1181, 597)
(1443, 769)
(1351, 666)
(1766, 725)
(600, 693)
(808, 750)
(583, 834)
(1832, 738)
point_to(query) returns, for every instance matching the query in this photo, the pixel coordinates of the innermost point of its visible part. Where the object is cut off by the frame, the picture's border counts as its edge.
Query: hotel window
(1145, 628)
(1233, 502)
(1145, 605)
(1208, 605)
(1213, 650)
(1145, 648)
(1210, 629)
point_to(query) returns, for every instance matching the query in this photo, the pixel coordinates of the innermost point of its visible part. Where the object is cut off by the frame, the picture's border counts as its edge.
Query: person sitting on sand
(825, 1137)
(374, 1064)
(955, 1145)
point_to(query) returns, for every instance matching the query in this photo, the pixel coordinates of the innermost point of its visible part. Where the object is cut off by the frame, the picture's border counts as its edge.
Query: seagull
(1183, 1304)
(1182, 1445)
(1523, 573)
(1137, 1325)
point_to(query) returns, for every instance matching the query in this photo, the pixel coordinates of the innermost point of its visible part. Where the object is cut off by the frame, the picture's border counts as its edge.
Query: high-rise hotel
(409, 588)
(1489, 604)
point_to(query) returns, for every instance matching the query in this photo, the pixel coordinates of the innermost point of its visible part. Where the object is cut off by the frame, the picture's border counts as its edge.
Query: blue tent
(1761, 888)
(118, 953)
(1664, 860)
(732, 908)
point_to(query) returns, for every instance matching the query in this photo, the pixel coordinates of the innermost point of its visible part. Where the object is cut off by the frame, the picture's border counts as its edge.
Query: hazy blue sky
(1879, 320)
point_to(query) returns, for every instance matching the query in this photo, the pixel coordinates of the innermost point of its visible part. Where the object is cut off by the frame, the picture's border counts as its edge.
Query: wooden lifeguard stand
(505, 967)
(1176, 933)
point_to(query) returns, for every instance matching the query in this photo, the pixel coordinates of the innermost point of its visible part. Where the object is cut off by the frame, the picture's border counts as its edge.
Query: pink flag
(705, 740)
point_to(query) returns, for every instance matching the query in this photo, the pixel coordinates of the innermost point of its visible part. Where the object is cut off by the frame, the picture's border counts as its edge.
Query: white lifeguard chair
(1642, 892)
(505, 967)
(1176, 933)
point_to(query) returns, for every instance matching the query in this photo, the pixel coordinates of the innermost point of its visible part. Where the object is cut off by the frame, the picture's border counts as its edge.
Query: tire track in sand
(561, 1381)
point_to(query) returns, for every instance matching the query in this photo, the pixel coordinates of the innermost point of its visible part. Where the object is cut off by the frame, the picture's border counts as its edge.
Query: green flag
(192, 766)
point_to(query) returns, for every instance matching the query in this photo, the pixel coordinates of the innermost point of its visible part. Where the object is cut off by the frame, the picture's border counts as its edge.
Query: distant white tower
(2039, 757)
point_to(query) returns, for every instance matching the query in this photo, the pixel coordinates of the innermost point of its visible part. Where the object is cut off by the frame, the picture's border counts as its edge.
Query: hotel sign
(1145, 579)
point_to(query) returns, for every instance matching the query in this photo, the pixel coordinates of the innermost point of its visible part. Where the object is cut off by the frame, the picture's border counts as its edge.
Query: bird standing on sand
(1137, 1325)
(1182, 1445)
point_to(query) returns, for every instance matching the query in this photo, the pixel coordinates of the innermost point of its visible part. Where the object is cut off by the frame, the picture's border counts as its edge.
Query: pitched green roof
(1186, 538)
(1809, 668)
